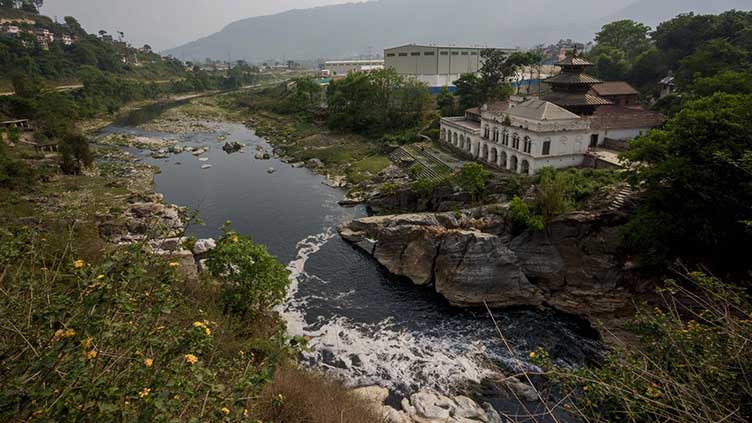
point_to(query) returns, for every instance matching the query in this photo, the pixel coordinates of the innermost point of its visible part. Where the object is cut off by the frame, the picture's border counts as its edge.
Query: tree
(712, 58)
(697, 199)
(74, 26)
(552, 193)
(647, 68)
(729, 82)
(8, 4)
(496, 70)
(26, 86)
(627, 36)
(76, 155)
(446, 103)
(473, 179)
(469, 91)
(610, 63)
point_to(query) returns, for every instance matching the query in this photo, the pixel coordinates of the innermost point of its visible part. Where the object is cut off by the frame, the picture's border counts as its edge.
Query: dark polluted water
(365, 325)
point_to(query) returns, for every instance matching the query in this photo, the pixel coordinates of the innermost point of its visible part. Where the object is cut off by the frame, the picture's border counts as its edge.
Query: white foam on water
(365, 354)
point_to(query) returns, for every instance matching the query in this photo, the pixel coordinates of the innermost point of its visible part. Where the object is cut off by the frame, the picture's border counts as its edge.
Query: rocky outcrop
(471, 257)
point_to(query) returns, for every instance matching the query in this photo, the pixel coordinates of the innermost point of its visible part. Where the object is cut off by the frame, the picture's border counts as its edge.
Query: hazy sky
(168, 23)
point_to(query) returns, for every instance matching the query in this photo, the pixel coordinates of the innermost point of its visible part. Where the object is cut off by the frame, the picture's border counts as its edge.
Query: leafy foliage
(13, 173)
(692, 362)
(74, 149)
(523, 218)
(252, 280)
(697, 198)
(473, 179)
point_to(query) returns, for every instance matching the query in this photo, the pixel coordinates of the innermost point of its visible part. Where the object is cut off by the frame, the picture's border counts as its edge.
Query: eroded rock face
(472, 257)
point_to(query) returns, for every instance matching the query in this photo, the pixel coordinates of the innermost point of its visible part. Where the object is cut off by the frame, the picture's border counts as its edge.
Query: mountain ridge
(355, 29)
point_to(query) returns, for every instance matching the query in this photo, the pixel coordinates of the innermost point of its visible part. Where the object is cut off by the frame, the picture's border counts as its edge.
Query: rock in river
(473, 256)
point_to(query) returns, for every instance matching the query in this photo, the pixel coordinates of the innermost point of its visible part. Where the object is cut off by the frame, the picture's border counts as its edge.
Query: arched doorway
(484, 156)
(513, 164)
(456, 139)
(494, 156)
(443, 134)
(525, 167)
(462, 142)
(469, 146)
(503, 160)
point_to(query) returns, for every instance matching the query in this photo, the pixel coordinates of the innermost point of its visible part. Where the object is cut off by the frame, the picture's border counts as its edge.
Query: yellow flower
(173, 264)
(234, 238)
(148, 362)
(91, 355)
(532, 354)
(225, 410)
(585, 388)
(207, 331)
(78, 264)
(245, 412)
(87, 343)
(198, 325)
(100, 277)
(144, 393)
(191, 359)
(64, 333)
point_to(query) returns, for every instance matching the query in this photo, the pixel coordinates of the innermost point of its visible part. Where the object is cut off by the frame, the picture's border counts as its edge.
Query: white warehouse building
(345, 67)
(436, 66)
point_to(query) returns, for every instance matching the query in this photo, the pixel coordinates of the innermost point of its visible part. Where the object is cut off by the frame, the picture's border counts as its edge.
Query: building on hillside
(526, 135)
(66, 39)
(436, 66)
(617, 92)
(345, 67)
(522, 138)
(571, 89)
(11, 30)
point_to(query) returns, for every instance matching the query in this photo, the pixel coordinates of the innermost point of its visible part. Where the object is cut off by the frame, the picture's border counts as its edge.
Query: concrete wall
(345, 67)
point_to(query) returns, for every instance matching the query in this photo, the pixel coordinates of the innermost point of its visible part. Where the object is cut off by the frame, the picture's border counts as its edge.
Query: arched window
(505, 137)
(486, 132)
(528, 145)
(443, 134)
(496, 135)
(546, 148)
(516, 141)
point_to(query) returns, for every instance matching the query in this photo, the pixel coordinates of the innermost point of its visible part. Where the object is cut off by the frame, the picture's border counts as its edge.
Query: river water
(365, 325)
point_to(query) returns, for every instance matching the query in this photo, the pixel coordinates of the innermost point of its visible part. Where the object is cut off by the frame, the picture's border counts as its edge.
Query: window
(464, 53)
(505, 138)
(496, 135)
(486, 132)
(415, 53)
(444, 53)
(428, 53)
(516, 142)
(403, 55)
(473, 53)
(390, 55)
(455, 53)
(546, 148)
(528, 145)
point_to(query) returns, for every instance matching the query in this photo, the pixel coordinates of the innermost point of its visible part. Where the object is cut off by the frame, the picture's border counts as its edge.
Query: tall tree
(626, 35)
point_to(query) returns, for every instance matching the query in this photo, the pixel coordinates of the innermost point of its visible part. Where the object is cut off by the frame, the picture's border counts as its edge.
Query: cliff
(573, 265)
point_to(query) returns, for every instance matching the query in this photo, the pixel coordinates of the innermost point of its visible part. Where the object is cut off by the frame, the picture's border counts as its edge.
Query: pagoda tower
(570, 88)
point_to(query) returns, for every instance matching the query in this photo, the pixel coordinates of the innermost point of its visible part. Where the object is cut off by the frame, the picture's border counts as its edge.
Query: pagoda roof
(566, 78)
(573, 61)
(576, 99)
(614, 88)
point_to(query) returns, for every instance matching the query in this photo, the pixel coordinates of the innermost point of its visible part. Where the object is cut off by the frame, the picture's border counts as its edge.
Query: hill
(355, 29)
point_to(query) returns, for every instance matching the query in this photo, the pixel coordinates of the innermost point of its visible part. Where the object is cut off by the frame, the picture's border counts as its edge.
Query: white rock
(206, 166)
(203, 246)
(203, 159)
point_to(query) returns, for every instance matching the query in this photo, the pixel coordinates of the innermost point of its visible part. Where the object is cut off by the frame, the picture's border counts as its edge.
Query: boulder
(232, 147)
(430, 407)
(203, 246)
(472, 257)
(315, 163)
(372, 394)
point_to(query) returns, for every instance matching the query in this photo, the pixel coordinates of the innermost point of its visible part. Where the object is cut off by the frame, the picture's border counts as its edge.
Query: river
(365, 325)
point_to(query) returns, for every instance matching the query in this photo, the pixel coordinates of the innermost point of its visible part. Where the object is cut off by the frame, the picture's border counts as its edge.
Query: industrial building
(345, 67)
(436, 66)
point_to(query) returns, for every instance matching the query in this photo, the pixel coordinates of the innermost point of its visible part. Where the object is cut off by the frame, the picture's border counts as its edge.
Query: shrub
(522, 218)
(552, 193)
(473, 179)
(13, 172)
(76, 155)
(692, 362)
(252, 280)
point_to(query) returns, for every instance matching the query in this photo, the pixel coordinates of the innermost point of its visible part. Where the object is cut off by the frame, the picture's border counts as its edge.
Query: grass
(295, 395)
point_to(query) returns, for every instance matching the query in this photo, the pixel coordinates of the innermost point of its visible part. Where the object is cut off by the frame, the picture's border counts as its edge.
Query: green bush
(76, 155)
(473, 179)
(692, 362)
(252, 280)
(522, 218)
(13, 173)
